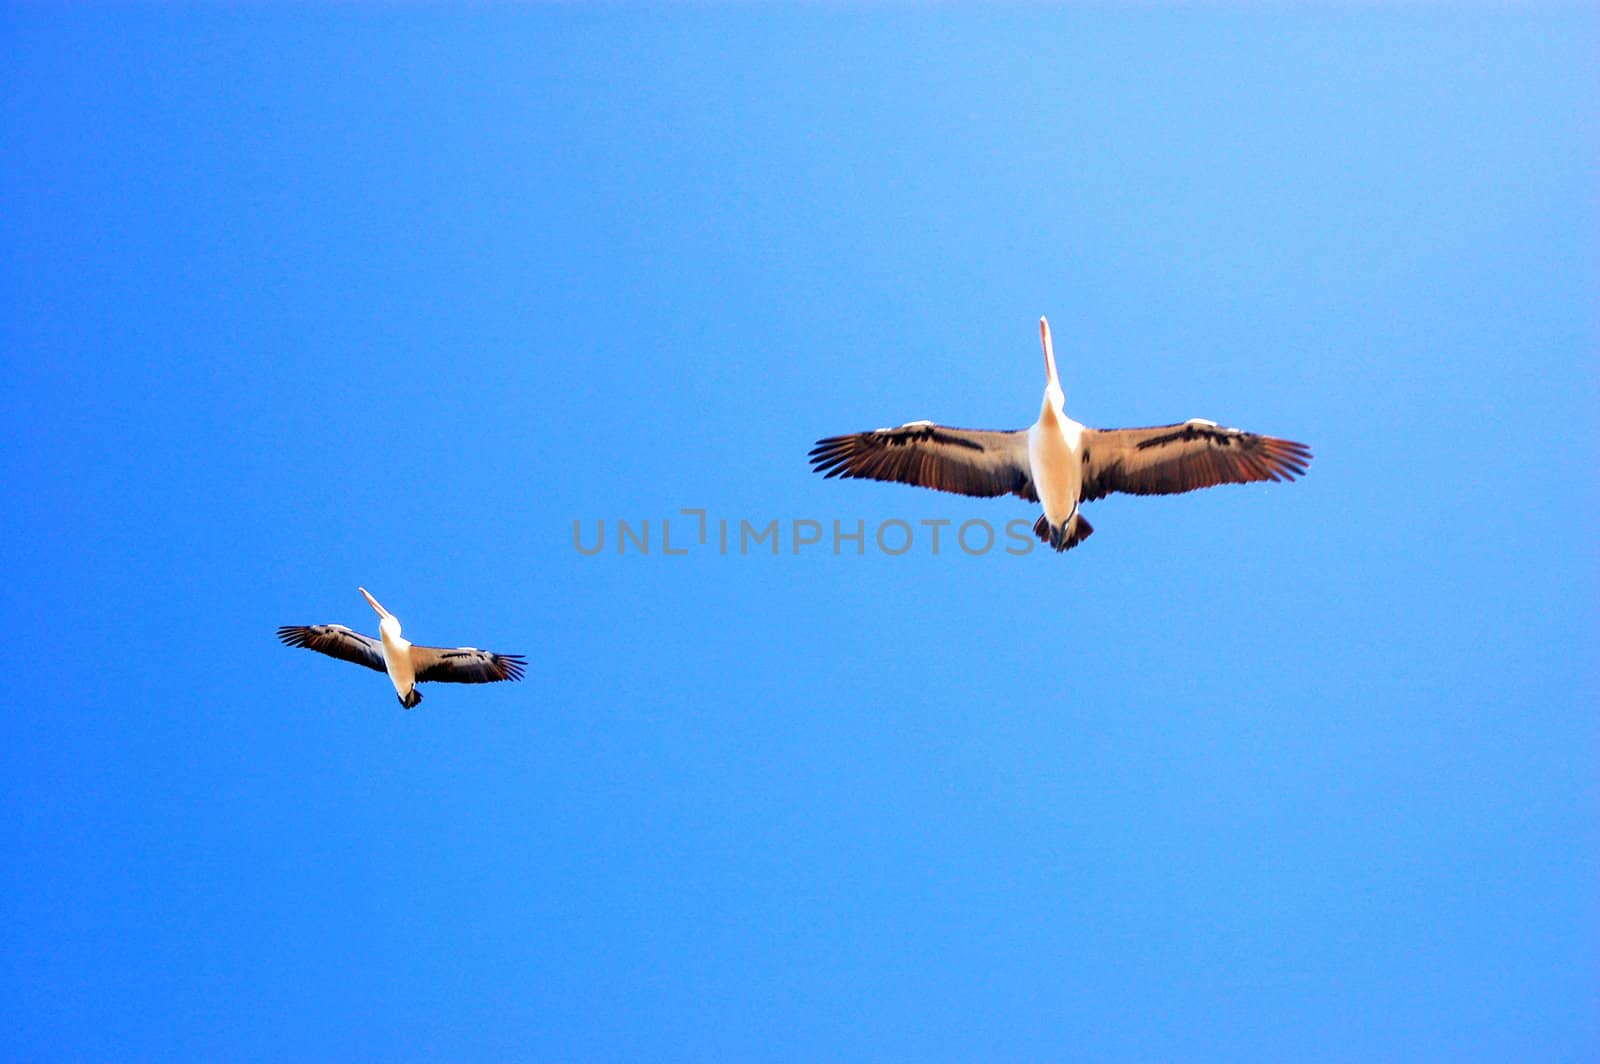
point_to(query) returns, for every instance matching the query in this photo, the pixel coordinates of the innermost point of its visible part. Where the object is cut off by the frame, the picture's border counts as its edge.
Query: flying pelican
(406, 663)
(1060, 463)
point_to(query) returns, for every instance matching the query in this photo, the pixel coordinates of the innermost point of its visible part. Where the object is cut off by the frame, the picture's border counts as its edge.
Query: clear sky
(296, 300)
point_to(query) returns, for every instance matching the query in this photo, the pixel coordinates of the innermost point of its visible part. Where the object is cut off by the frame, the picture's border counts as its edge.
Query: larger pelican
(406, 663)
(1060, 463)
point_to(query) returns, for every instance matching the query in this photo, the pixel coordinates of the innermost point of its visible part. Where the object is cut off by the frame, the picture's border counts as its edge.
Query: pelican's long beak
(1049, 354)
(373, 603)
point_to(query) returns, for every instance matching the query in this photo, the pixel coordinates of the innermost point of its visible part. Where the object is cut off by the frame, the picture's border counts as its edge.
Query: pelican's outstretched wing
(965, 461)
(336, 641)
(1174, 458)
(465, 665)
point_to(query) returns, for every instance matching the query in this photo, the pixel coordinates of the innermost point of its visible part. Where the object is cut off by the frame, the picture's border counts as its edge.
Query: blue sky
(304, 299)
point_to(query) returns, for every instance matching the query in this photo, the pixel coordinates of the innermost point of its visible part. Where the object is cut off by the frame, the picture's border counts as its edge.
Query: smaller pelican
(406, 663)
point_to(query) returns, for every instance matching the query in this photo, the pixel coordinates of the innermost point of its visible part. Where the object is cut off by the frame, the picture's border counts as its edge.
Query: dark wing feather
(336, 641)
(465, 665)
(964, 461)
(1170, 459)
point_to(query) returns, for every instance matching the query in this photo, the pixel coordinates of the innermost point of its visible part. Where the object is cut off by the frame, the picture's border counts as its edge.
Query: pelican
(406, 663)
(1058, 462)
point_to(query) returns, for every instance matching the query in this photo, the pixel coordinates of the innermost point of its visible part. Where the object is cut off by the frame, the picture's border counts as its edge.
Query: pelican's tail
(411, 698)
(1063, 537)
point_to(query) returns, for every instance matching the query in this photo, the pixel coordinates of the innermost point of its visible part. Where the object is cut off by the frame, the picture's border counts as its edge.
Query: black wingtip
(830, 455)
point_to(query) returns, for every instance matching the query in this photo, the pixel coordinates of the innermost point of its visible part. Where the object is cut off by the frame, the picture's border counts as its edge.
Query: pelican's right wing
(465, 665)
(965, 461)
(336, 641)
(1197, 453)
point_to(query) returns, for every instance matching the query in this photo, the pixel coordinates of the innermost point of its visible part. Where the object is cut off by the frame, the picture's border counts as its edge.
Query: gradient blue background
(300, 300)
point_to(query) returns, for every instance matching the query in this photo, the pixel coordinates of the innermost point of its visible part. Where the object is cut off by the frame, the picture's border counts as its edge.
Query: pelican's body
(396, 655)
(1060, 463)
(406, 663)
(1054, 443)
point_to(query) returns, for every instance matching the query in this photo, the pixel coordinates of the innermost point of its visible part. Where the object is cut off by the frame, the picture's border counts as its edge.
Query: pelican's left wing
(965, 461)
(465, 665)
(336, 641)
(1174, 458)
